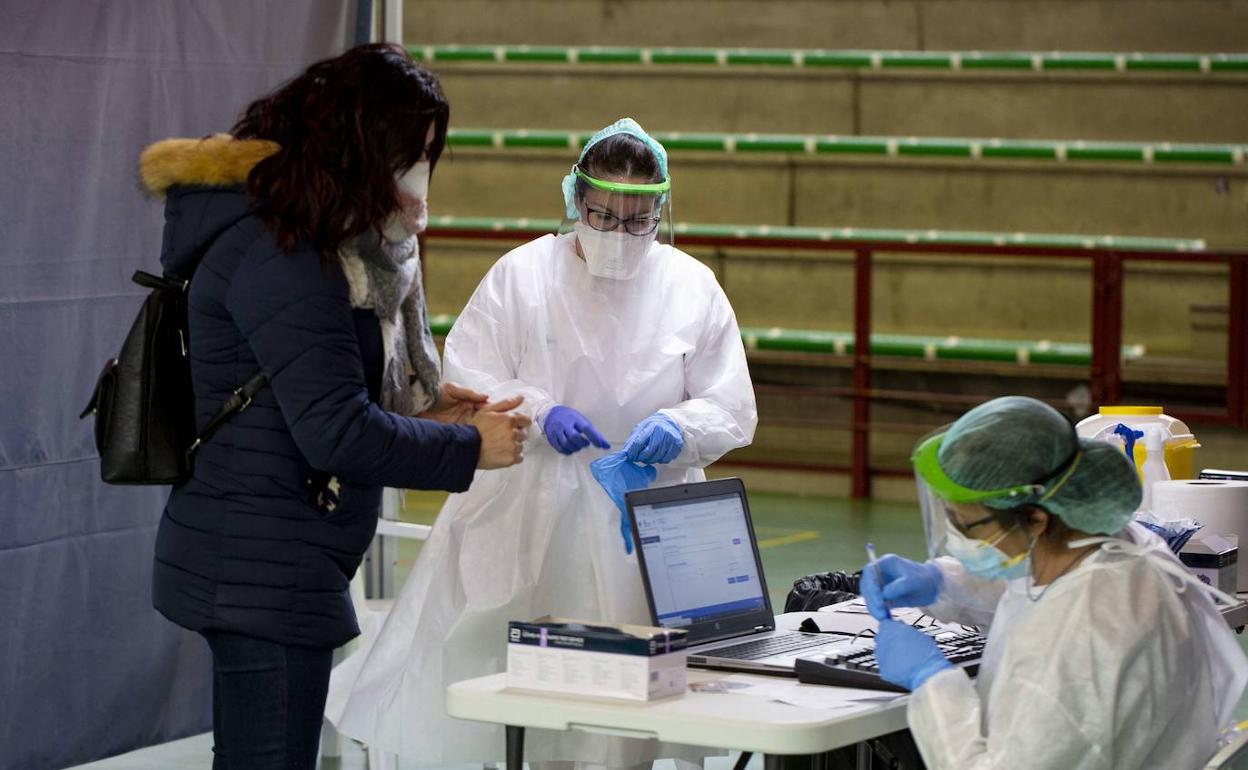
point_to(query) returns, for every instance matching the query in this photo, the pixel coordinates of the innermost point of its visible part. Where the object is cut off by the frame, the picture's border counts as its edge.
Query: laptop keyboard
(772, 645)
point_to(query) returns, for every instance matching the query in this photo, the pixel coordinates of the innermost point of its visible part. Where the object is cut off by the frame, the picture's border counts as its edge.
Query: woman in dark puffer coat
(255, 551)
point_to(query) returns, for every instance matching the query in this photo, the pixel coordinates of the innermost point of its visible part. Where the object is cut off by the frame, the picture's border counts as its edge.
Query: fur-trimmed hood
(214, 161)
(201, 181)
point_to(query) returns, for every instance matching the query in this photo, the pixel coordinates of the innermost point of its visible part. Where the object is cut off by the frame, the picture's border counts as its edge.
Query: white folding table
(1237, 615)
(721, 720)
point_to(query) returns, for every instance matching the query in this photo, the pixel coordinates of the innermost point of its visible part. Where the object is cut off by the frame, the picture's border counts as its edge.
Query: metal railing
(831, 145)
(930, 348)
(807, 59)
(1107, 254)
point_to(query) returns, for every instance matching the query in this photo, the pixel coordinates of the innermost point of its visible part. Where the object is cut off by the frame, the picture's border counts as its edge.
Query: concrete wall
(1110, 25)
(1122, 107)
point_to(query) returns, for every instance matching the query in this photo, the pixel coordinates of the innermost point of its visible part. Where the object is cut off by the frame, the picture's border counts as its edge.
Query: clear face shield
(618, 223)
(938, 494)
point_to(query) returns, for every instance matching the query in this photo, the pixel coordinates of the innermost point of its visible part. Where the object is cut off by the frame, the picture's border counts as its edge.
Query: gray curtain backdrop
(87, 668)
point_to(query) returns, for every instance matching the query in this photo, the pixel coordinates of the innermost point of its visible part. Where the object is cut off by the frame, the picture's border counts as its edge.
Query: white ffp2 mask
(615, 255)
(416, 181)
(406, 223)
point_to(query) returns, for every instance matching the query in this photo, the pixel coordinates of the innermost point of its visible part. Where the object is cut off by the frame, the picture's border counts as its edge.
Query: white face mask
(416, 181)
(984, 559)
(403, 224)
(615, 255)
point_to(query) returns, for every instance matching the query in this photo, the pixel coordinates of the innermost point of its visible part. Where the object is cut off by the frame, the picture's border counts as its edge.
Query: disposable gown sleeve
(297, 320)
(719, 413)
(482, 350)
(964, 598)
(1029, 731)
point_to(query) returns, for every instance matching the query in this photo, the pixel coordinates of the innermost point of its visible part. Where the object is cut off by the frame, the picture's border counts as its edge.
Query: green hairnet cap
(1090, 485)
(621, 126)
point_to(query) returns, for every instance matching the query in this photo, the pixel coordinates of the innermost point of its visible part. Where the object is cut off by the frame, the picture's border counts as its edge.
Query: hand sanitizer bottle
(1154, 469)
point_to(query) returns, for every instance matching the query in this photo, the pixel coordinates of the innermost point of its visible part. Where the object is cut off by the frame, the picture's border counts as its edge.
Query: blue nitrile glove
(655, 440)
(569, 431)
(617, 475)
(906, 584)
(907, 656)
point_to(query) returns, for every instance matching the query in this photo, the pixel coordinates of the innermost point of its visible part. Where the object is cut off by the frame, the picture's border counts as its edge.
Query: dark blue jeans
(267, 703)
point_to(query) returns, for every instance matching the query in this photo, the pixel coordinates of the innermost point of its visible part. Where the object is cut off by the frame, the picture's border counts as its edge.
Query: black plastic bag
(814, 591)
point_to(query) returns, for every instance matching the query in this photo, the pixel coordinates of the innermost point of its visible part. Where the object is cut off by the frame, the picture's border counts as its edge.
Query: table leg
(791, 762)
(515, 748)
(860, 758)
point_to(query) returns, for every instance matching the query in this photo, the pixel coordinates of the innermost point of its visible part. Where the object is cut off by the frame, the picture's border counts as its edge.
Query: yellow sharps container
(1180, 445)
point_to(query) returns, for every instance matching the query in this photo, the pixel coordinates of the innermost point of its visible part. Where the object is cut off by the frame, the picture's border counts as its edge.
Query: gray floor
(195, 753)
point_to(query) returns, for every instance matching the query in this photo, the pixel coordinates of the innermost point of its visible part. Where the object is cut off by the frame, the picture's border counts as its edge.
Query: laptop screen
(700, 561)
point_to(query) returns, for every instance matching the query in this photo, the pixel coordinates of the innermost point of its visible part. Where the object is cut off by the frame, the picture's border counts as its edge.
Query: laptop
(702, 573)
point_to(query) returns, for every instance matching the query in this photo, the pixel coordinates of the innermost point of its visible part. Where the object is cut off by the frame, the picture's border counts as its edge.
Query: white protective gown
(1120, 664)
(543, 537)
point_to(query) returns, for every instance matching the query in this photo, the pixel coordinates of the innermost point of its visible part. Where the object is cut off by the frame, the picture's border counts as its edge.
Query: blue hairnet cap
(621, 126)
(1089, 485)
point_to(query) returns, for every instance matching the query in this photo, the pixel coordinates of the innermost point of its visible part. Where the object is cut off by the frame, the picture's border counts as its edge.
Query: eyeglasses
(606, 222)
(966, 528)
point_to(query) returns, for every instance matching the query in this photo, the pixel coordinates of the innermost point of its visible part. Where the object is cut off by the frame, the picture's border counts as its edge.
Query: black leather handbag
(143, 403)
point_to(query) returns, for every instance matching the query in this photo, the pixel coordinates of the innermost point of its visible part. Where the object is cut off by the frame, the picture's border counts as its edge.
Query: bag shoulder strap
(167, 282)
(239, 400)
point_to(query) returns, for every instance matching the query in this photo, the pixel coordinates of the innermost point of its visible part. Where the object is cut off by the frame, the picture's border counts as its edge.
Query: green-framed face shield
(927, 468)
(937, 490)
(619, 223)
(627, 188)
(629, 208)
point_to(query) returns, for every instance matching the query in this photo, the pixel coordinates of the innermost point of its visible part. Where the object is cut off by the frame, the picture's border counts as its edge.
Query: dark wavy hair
(346, 128)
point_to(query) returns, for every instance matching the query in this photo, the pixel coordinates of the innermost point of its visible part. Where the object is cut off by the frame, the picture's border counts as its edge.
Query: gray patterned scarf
(385, 276)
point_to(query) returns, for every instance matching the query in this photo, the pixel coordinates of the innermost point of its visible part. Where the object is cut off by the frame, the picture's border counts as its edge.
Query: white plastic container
(1180, 444)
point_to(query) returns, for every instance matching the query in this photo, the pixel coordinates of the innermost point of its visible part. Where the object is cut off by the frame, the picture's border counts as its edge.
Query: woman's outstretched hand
(503, 433)
(455, 404)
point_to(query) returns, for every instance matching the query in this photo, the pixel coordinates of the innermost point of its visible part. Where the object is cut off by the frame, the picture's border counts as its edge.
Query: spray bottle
(1154, 468)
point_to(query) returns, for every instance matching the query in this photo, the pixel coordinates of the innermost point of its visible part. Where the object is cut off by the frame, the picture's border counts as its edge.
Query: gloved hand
(906, 584)
(569, 431)
(617, 475)
(655, 440)
(907, 656)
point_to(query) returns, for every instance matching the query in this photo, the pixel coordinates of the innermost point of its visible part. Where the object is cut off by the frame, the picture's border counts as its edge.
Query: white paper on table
(792, 621)
(840, 630)
(852, 617)
(810, 696)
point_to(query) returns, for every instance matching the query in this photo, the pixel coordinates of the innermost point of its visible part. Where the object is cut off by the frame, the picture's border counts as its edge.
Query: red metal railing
(1107, 301)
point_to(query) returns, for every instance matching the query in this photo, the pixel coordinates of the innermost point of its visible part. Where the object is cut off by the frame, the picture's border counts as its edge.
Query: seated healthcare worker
(1103, 651)
(615, 340)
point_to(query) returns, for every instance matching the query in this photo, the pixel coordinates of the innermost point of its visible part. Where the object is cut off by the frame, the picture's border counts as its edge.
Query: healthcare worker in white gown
(613, 338)
(1103, 651)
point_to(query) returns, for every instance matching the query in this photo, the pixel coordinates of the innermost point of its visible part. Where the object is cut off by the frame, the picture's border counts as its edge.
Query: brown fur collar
(219, 159)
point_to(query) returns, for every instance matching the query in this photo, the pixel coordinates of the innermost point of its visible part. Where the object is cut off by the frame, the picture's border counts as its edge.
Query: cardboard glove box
(573, 657)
